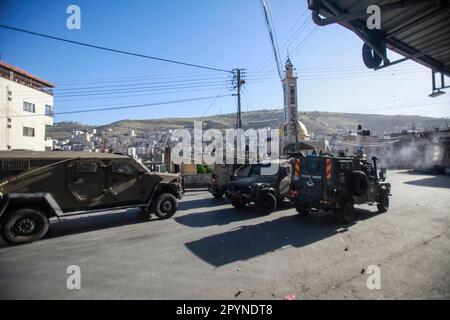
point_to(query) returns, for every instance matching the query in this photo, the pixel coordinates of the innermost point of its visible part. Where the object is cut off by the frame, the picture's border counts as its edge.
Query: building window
(48, 110)
(9, 95)
(28, 132)
(29, 107)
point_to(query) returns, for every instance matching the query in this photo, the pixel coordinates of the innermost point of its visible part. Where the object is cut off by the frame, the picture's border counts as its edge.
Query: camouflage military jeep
(36, 186)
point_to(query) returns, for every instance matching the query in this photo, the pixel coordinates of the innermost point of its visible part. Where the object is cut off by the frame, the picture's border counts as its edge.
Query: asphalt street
(211, 250)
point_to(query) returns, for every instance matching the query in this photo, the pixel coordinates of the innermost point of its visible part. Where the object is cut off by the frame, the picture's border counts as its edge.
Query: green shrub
(201, 168)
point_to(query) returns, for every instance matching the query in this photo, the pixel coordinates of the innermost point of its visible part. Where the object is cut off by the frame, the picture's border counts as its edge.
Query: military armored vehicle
(338, 183)
(264, 184)
(36, 186)
(221, 177)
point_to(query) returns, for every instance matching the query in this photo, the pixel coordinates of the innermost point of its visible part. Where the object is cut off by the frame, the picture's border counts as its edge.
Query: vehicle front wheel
(266, 203)
(383, 205)
(24, 225)
(345, 213)
(165, 206)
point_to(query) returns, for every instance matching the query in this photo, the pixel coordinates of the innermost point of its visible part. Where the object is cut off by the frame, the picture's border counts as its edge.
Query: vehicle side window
(86, 167)
(124, 168)
(256, 169)
(243, 171)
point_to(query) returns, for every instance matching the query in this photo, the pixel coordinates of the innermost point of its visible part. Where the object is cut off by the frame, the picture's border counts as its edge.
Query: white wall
(20, 118)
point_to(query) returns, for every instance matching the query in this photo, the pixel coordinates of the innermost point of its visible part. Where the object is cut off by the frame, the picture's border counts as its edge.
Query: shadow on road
(432, 181)
(88, 223)
(251, 241)
(206, 202)
(217, 217)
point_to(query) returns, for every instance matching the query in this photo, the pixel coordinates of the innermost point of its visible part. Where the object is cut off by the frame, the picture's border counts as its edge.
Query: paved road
(211, 250)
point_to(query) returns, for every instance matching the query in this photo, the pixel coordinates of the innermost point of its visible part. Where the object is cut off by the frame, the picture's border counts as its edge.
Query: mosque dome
(302, 132)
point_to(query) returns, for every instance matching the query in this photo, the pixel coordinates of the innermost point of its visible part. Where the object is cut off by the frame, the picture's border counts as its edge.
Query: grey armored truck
(36, 186)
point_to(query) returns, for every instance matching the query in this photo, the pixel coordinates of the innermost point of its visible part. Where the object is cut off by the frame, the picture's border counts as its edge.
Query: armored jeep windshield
(256, 169)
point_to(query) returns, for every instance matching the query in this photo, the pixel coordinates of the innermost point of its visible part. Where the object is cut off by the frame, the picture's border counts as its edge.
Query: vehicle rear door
(311, 178)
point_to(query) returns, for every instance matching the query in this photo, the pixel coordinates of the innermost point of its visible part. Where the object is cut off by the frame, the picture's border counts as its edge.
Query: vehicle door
(125, 183)
(311, 178)
(85, 182)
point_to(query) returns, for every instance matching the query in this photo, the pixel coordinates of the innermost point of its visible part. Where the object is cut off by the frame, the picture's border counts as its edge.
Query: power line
(128, 90)
(215, 99)
(111, 49)
(180, 75)
(169, 91)
(285, 45)
(272, 37)
(124, 107)
(286, 39)
(306, 39)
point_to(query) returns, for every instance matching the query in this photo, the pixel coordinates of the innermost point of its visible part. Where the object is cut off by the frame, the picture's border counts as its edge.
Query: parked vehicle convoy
(265, 184)
(338, 183)
(36, 186)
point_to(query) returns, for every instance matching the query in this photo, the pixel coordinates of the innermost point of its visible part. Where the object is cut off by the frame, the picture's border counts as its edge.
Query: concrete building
(26, 107)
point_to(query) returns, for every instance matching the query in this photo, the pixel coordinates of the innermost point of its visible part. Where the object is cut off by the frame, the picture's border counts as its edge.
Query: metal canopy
(418, 30)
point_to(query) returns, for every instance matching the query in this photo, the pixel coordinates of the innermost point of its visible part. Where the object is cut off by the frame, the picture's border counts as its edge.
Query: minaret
(290, 101)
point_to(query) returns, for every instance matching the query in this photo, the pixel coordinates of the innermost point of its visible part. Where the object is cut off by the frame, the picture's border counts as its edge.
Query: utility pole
(238, 80)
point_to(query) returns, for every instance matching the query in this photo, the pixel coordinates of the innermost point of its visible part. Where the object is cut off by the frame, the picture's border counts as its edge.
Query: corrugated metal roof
(420, 30)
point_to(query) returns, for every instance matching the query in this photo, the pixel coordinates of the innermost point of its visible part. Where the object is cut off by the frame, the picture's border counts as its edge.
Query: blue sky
(217, 33)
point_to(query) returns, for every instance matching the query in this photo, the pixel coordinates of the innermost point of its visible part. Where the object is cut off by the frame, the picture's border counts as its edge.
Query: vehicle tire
(266, 203)
(302, 211)
(165, 206)
(218, 195)
(344, 214)
(24, 225)
(383, 204)
(238, 205)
